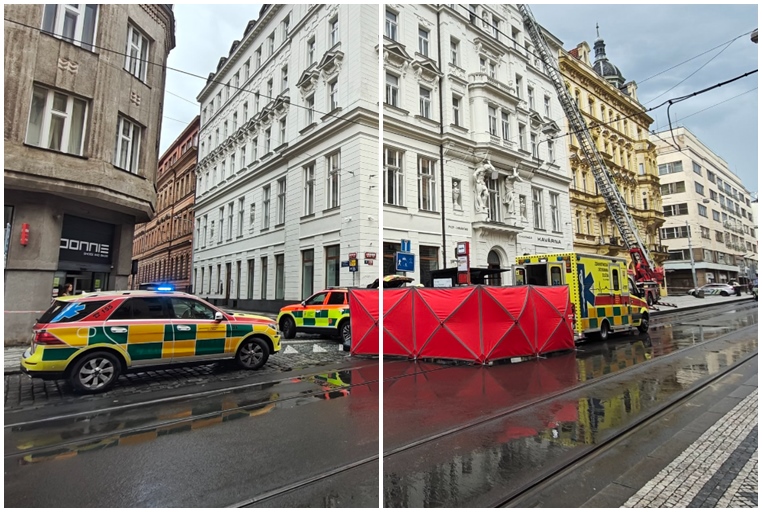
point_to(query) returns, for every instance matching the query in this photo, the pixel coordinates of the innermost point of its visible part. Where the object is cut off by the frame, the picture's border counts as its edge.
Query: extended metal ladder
(602, 175)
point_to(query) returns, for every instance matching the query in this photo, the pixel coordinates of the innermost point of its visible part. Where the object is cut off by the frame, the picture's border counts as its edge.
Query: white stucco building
(470, 153)
(705, 201)
(287, 175)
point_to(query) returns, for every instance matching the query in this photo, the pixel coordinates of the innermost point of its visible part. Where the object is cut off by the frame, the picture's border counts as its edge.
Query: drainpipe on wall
(441, 137)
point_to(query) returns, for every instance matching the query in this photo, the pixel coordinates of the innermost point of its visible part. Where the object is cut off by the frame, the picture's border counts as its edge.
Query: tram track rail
(558, 394)
(554, 474)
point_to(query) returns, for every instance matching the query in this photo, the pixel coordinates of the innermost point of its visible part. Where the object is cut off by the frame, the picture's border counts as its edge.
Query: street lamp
(693, 262)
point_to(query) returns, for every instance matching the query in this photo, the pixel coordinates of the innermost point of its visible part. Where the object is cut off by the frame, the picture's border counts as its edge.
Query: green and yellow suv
(326, 313)
(91, 339)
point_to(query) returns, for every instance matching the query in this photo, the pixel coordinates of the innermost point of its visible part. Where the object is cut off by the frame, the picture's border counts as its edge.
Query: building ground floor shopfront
(680, 277)
(51, 242)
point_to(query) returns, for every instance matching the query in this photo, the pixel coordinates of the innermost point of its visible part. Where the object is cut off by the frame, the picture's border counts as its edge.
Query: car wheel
(603, 335)
(650, 300)
(725, 294)
(345, 331)
(252, 354)
(288, 327)
(95, 372)
(643, 327)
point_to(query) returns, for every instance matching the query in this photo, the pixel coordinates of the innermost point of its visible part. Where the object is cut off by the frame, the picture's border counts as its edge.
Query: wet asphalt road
(210, 451)
(283, 441)
(443, 450)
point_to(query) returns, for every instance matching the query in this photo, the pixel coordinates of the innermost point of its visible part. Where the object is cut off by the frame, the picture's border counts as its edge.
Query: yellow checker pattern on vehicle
(326, 317)
(617, 316)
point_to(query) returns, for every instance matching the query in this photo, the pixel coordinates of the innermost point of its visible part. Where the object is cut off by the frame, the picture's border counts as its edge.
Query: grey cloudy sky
(642, 40)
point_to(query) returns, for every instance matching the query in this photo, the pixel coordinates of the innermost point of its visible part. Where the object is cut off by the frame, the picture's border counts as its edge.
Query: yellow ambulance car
(604, 296)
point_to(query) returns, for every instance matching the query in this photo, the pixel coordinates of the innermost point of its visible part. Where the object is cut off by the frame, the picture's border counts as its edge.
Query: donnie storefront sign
(85, 255)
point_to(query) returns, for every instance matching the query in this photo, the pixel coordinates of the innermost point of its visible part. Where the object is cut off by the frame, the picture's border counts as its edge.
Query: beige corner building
(619, 127)
(83, 111)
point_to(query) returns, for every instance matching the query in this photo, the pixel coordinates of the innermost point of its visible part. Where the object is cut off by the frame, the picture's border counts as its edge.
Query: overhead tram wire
(513, 139)
(188, 73)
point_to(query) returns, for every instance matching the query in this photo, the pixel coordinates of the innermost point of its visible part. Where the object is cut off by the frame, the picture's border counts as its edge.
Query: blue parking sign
(404, 262)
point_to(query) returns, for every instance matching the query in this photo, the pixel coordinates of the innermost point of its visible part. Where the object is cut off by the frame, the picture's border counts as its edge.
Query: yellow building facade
(619, 127)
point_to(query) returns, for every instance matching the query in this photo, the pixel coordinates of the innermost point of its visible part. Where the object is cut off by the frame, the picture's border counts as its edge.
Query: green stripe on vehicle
(236, 331)
(308, 321)
(168, 335)
(216, 346)
(58, 354)
(105, 335)
(140, 351)
(185, 335)
(322, 313)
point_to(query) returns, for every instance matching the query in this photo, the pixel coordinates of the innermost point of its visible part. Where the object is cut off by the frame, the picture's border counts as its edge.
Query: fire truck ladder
(602, 175)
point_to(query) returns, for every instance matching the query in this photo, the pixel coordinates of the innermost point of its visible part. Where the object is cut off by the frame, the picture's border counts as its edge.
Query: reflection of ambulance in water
(604, 296)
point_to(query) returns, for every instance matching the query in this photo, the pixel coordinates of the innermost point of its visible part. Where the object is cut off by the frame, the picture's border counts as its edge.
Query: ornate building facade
(287, 182)
(470, 154)
(82, 120)
(162, 247)
(619, 127)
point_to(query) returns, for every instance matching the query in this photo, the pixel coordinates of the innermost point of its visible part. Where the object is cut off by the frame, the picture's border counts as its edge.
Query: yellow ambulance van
(604, 296)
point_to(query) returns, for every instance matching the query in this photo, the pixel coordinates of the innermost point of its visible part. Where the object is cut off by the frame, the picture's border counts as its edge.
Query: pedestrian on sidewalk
(68, 289)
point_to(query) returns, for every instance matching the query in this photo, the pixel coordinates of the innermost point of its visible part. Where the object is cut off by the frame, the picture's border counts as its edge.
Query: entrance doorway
(82, 282)
(493, 261)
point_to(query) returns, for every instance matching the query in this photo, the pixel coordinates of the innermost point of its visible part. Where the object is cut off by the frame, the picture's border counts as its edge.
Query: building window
(271, 44)
(702, 210)
(547, 106)
(333, 163)
(263, 278)
(310, 110)
(425, 102)
(243, 157)
(74, 23)
(266, 207)
(332, 266)
(675, 209)
(537, 208)
(495, 27)
(267, 141)
(506, 126)
(429, 262)
(519, 87)
(393, 183)
(136, 59)
(230, 221)
(127, 152)
(203, 238)
(675, 232)
(530, 97)
(284, 78)
(696, 168)
(281, 201)
(240, 217)
(221, 224)
(699, 188)
(56, 121)
(311, 51)
(283, 131)
(427, 184)
(333, 95)
(252, 216)
(716, 215)
(308, 272)
(551, 151)
(254, 147)
(279, 277)
(672, 188)
(391, 25)
(492, 116)
(711, 176)
(454, 51)
(392, 90)
(423, 42)
(456, 110)
(533, 144)
(309, 189)
(555, 212)
(493, 204)
(334, 30)
(670, 168)
(522, 137)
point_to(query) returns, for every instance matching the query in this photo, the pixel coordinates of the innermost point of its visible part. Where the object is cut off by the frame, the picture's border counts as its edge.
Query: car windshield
(70, 311)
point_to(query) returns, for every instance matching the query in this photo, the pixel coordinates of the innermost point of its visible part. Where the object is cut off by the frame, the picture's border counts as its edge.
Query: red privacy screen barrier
(477, 323)
(363, 315)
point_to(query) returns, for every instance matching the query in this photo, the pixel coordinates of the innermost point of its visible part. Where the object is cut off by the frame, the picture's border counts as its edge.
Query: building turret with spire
(602, 66)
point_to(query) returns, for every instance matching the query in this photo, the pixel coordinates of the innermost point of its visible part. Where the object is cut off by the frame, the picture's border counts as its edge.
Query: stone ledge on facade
(332, 113)
(394, 108)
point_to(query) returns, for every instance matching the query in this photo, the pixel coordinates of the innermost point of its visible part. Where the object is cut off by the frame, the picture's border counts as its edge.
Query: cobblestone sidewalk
(718, 470)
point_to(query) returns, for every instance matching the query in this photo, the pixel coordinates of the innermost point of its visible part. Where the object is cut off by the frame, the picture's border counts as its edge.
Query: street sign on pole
(405, 245)
(404, 262)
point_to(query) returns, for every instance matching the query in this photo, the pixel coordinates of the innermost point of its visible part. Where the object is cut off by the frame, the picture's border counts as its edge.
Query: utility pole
(693, 262)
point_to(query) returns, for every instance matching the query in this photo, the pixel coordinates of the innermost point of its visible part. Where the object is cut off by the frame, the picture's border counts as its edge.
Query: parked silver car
(723, 289)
